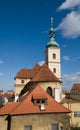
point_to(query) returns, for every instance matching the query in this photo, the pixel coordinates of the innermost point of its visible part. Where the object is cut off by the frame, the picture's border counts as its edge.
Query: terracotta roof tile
(77, 85)
(27, 73)
(28, 107)
(44, 74)
(39, 96)
(8, 108)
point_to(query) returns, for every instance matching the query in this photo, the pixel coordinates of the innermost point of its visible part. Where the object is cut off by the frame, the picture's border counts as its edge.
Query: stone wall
(3, 123)
(39, 121)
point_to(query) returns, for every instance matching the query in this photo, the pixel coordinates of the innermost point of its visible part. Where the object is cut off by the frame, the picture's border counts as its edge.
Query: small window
(54, 56)
(61, 128)
(43, 101)
(54, 127)
(54, 70)
(38, 101)
(28, 127)
(77, 114)
(22, 81)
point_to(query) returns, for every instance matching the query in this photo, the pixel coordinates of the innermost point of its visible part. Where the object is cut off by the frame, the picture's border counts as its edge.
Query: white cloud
(66, 58)
(41, 63)
(69, 4)
(69, 80)
(1, 74)
(1, 62)
(70, 25)
(77, 58)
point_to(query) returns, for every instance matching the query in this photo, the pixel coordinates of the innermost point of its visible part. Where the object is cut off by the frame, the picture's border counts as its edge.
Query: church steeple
(52, 42)
(53, 53)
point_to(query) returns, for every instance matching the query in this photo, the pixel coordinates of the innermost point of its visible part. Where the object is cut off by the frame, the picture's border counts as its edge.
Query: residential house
(35, 110)
(72, 102)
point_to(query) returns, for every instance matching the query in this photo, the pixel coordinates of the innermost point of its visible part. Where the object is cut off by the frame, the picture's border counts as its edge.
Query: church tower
(53, 53)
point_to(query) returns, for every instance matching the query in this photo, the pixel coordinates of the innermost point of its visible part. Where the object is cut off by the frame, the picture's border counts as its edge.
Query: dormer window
(39, 99)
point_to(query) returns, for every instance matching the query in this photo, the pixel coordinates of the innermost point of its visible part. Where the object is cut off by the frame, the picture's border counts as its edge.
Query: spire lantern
(52, 42)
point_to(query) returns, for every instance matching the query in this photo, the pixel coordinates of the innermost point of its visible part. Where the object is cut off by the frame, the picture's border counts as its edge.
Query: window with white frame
(28, 127)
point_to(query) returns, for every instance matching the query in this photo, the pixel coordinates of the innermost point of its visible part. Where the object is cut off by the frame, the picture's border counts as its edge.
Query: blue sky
(24, 33)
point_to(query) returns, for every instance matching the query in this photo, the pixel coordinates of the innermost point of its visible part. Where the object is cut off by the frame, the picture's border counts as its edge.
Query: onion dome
(52, 42)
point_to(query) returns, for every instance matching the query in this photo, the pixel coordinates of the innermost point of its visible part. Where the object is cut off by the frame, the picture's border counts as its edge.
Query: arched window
(49, 91)
(54, 56)
(54, 70)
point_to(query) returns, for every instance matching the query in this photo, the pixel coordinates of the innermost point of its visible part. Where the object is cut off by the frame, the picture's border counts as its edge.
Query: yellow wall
(3, 123)
(39, 121)
(74, 121)
(19, 86)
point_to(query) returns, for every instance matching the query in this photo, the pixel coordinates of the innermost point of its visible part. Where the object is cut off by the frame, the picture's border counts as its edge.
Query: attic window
(39, 99)
(22, 81)
(43, 101)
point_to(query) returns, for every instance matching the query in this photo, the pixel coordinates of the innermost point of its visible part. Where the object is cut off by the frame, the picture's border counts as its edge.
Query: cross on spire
(51, 21)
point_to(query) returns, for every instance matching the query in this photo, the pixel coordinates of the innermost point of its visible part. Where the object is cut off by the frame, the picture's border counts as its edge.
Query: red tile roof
(44, 74)
(5, 110)
(8, 95)
(28, 107)
(1, 91)
(77, 85)
(39, 96)
(37, 74)
(27, 73)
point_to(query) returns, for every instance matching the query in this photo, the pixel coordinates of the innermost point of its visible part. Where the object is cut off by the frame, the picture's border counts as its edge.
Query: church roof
(38, 74)
(27, 73)
(27, 106)
(44, 74)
